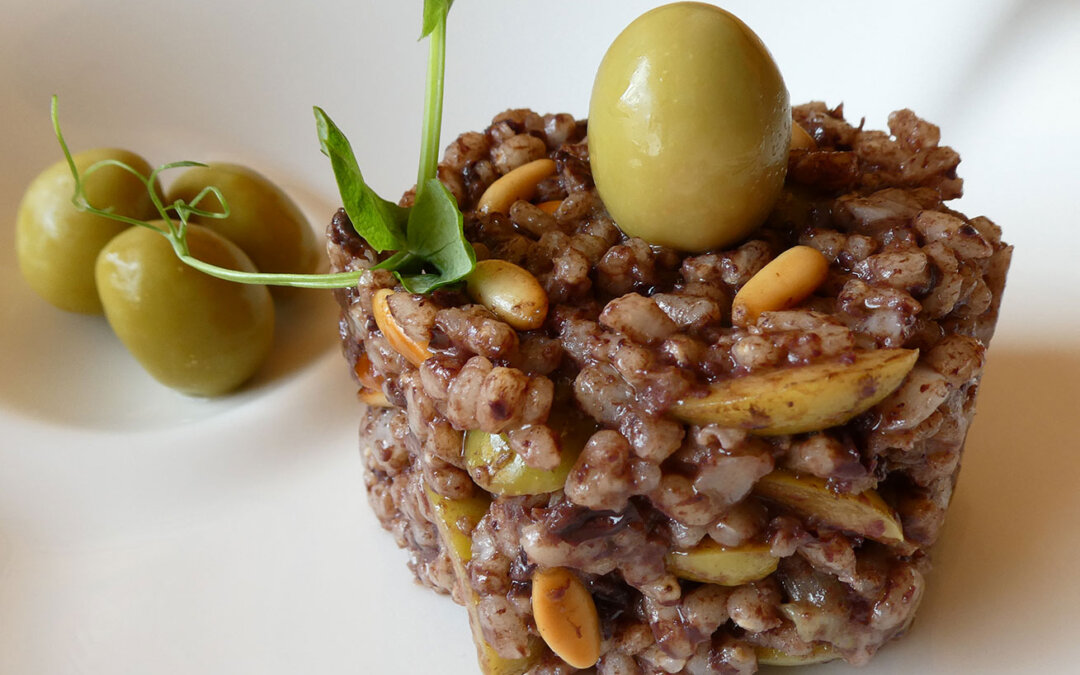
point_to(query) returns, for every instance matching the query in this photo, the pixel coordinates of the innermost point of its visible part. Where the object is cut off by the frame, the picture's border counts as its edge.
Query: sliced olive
(495, 466)
(728, 566)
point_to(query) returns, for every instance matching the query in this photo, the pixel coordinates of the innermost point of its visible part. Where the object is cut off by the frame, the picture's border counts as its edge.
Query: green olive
(56, 244)
(263, 221)
(190, 331)
(495, 466)
(689, 128)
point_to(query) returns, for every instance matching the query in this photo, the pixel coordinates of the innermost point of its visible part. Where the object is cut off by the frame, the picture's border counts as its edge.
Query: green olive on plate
(264, 222)
(57, 245)
(689, 128)
(192, 332)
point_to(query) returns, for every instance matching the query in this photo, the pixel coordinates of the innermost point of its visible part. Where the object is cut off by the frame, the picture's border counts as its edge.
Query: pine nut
(371, 391)
(511, 292)
(365, 373)
(518, 184)
(800, 139)
(414, 351)
(566, 617)
(785, 282)
(373, 397)
(550, 207)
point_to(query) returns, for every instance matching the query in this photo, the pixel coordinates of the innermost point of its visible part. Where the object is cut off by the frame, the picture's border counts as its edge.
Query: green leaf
(375, 219)
(436, 235)
(434, 12)
(432, 252)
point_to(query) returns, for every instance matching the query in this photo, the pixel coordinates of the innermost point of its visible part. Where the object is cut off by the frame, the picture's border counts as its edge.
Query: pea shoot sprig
(174, 219)
(427, 239)
(429, 243)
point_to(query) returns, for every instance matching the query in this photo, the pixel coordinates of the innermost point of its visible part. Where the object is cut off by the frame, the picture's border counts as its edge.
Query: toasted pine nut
(800, 139)
(365, 374)
(412, 350)
(482, 250)
(511, 292)
(518, 184)
(785, 282)
(373, 397)
(565, 616)
(370, 383)
(549, 207)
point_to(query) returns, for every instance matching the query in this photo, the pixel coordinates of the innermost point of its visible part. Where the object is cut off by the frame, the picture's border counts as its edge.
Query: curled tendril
(176, 229)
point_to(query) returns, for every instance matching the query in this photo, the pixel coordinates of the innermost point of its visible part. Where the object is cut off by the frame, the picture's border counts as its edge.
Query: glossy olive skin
(192, 332)
(264, 222)
(689, 128)
(495, 466)
(57, 245)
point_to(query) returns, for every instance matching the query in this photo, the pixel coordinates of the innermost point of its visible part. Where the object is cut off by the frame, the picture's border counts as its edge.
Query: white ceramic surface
(144, 532)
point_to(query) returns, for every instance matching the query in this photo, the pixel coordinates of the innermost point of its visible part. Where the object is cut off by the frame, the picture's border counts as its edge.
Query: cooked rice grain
(634, 328)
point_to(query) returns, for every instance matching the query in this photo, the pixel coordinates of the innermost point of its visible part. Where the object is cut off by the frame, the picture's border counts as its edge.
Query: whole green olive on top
(264, 222)
(689, 128)
(56, 244)
(192, 332)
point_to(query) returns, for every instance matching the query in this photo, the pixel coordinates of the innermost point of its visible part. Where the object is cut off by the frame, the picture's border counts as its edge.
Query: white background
(144, 532)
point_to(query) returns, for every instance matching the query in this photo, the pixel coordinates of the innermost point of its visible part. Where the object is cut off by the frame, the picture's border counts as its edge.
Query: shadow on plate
(1003, 565)
(69, 370)
(1005, 558)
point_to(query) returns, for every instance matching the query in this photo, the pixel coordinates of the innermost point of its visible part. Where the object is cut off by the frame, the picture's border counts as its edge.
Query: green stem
(433, 104)
(396, 261)
(55, 115)
(324, 281)
(177, 235)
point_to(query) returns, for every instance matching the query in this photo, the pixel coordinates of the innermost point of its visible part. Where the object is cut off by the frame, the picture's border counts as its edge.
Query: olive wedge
(865, 514)
(712, 563)
(495, 466)
(803, 398)
(455, 520)
(821, 653)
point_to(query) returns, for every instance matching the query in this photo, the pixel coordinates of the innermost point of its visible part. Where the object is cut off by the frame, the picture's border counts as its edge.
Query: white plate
(144, 532)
